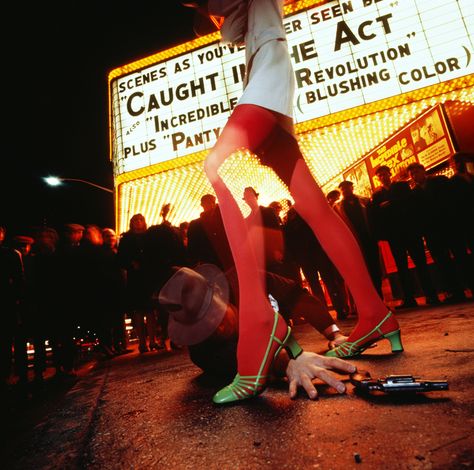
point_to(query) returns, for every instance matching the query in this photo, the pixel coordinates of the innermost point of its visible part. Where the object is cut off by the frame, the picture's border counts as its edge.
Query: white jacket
(271, 81)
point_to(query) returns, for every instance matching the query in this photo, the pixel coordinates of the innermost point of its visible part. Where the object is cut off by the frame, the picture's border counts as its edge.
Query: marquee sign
(345, 54)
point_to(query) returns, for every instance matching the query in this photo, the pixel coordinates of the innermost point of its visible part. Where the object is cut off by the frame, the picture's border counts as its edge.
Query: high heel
(247, 386)
(291, 346)
(387, 329)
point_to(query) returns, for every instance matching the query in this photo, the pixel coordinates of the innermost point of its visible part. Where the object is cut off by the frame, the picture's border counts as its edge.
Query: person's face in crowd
(333, 197)
(347, 190)
(208, 204)
(74, 236)
(110, 237)
(138, 224)
(384, 177)
(418, 175)
(46, 240)
(93, 235)
(277, 208)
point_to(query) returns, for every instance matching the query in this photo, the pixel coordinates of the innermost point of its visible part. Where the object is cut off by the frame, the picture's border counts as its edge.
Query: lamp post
(56, 181)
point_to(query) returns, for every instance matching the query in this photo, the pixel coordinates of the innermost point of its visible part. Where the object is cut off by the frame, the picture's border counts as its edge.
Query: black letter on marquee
(344, 34)
(129, 104)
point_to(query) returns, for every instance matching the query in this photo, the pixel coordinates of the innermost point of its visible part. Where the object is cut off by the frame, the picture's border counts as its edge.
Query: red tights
(260, 131)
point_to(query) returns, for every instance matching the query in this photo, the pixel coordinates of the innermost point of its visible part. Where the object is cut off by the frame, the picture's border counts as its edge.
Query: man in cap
(207, 240)
(72, 235)
(202, 318)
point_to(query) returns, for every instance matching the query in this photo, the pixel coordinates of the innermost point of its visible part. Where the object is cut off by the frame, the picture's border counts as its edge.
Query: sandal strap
(352, 348)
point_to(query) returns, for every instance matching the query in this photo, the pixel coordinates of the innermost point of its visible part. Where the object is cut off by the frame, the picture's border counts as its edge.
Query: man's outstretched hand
(308, 366)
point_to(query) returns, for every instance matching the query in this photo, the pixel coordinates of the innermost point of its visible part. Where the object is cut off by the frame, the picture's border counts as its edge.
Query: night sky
(56, 61)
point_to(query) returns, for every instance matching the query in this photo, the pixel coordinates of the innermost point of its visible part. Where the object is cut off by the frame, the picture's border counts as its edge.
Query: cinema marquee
(371, 76)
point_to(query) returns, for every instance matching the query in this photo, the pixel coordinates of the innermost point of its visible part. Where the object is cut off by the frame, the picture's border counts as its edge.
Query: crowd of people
(417, 216)
(82, 280)
(60, 288)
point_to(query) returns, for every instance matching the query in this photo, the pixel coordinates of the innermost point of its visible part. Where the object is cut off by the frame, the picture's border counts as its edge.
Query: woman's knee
(211, 166)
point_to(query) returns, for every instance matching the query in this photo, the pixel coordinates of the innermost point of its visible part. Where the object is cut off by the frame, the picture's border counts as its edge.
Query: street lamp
(56, 181)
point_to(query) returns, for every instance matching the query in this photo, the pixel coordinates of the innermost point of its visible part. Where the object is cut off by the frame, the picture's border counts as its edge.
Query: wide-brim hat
(196, 300)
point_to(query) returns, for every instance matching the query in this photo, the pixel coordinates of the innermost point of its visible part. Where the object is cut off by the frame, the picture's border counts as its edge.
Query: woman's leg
(248, 127)
(333, 234)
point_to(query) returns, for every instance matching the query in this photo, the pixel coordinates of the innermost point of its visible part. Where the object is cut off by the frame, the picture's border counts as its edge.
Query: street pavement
(154, 411)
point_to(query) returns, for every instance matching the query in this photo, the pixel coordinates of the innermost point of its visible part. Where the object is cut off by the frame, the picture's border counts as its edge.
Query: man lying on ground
(202, 318)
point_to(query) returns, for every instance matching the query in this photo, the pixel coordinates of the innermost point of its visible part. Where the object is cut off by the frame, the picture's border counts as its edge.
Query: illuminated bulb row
(182, 188)
(328, 156)
(328, 151)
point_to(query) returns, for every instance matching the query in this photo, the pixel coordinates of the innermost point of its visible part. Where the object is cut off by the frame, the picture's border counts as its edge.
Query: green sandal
(248, 386)
(354, 348)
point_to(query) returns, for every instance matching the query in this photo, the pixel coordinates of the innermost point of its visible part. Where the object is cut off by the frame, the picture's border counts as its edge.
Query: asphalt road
(154, 411)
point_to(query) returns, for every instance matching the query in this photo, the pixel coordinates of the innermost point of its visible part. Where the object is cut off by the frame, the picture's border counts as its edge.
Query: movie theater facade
(378, 82)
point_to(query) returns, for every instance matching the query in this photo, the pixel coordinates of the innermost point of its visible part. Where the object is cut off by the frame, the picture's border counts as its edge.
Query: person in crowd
(23, 244)
(262, 122)
(207, 240)
(92, 265)
(397, 220)
(42, 296)
(69, 289)
(162, 248)
(112, 293)
(277, 209)
(93, 259)
(341, 291)
(333, 197)
(462, 182)
(204, 319)
(356, 211)
(183, 231)
(131, 259)
(286, 206)
(288, 267)
(443, 231)
(96, 318)
(165, 212)
(11, 287)
(71, 236)
(303, 248)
